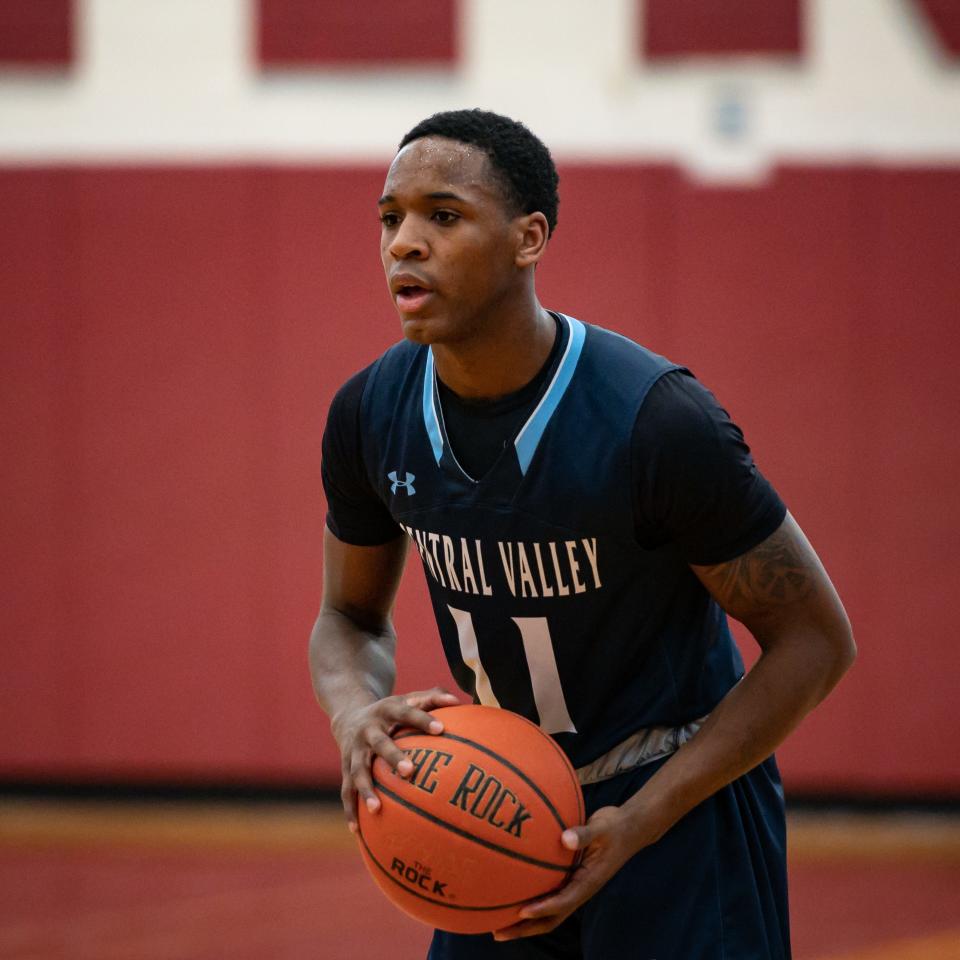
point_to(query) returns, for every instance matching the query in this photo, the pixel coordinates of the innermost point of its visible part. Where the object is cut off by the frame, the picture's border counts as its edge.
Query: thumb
(599, 824)
(576, 838)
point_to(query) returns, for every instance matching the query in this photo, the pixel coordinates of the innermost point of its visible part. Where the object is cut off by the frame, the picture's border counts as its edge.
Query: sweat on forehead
(448, 161)
(442, 149)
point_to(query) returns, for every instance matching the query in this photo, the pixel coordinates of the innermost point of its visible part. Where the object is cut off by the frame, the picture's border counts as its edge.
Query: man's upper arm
(355, 513)
(697, 484)
(779, 584)
(363, 546)
(361, 582)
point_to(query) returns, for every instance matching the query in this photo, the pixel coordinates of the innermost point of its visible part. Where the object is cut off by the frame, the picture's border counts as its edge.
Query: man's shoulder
(351, 390)
(618, 344)
(621, 363)
(395, 361)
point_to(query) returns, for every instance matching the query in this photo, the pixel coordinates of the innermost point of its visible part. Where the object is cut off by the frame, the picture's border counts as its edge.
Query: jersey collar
(528, 438)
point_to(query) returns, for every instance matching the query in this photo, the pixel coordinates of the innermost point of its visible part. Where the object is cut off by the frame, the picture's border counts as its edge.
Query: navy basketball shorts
(714, 887)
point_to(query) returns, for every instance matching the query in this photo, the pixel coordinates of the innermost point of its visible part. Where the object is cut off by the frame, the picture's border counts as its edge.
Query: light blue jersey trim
(528, 439)
(430, 419)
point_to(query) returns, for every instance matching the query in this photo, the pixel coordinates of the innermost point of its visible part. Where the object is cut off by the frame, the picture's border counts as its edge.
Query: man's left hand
(608, 840)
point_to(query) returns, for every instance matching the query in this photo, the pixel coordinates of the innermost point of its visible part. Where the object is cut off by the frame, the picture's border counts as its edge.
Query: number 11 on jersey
(541, 664)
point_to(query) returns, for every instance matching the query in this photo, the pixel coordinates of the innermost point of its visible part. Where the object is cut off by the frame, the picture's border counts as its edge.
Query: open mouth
(411, 297)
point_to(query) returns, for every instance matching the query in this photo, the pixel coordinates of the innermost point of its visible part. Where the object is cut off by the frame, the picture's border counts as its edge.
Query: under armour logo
(397, 484)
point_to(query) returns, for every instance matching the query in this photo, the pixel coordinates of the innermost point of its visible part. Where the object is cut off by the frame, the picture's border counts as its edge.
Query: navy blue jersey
(546, 602)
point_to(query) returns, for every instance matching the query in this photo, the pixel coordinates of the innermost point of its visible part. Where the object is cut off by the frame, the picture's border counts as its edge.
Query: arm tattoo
(777, 573)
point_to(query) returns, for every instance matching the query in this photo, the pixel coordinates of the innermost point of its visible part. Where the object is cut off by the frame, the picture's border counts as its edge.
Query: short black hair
(521, 161)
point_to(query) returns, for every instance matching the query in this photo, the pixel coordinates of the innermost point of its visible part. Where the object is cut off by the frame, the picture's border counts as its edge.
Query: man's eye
(446, 216)
(389, 219)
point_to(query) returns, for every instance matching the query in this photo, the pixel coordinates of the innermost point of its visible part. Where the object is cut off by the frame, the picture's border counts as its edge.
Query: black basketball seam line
(499, 759)
(441, 903)
(510, 766)
(489, 844)
(568, 766)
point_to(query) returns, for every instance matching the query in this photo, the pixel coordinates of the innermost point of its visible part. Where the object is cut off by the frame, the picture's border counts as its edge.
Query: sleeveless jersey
(545, 603)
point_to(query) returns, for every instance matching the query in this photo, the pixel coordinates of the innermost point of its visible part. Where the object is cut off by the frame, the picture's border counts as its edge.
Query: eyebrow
(436, 195)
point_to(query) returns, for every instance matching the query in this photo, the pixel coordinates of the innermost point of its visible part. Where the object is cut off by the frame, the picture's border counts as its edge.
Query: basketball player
(585, 513)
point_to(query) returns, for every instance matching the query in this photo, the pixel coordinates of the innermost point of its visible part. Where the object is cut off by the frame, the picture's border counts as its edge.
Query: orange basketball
(474, 833)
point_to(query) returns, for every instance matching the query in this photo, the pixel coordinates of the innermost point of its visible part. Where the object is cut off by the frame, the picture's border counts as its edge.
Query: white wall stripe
(176, 80)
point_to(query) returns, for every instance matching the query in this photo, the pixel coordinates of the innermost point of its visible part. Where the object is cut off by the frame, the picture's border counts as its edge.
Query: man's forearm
(353, 672)
(780, 591)
(785, 684)
(350, 665)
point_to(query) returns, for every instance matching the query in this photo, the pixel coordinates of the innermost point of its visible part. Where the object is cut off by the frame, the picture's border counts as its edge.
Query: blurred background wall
(767, 191)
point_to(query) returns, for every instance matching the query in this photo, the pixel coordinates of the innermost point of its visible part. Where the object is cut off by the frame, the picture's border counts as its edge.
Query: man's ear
(533, 232)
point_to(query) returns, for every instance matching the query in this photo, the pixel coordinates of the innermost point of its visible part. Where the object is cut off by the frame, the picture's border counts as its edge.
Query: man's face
(447, 242)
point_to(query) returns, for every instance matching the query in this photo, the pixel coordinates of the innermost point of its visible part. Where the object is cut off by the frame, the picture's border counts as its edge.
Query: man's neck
(500, 363)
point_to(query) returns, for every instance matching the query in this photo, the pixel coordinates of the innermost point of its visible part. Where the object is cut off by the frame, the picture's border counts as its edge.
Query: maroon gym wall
(171, 339)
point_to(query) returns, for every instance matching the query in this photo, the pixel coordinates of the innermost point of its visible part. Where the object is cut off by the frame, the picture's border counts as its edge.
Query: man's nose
(408, 242)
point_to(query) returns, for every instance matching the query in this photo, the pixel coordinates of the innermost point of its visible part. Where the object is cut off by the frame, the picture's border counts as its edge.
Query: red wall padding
(677, 28)
(36, 32)
(378, 33)
(171, 339)
(943, 16)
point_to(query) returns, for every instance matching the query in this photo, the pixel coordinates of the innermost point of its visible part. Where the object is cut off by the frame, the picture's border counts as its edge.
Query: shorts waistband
(640, 748)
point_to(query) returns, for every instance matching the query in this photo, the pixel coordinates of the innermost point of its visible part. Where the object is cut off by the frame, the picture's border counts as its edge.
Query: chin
(422, 330)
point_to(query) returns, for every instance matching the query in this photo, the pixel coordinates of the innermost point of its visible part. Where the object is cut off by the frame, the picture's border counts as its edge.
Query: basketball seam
(567, 765)
(505, 762)
(441, 903)
(459, 831)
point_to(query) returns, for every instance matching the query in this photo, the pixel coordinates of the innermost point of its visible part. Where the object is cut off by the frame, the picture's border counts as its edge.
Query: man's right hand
(364, 731)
